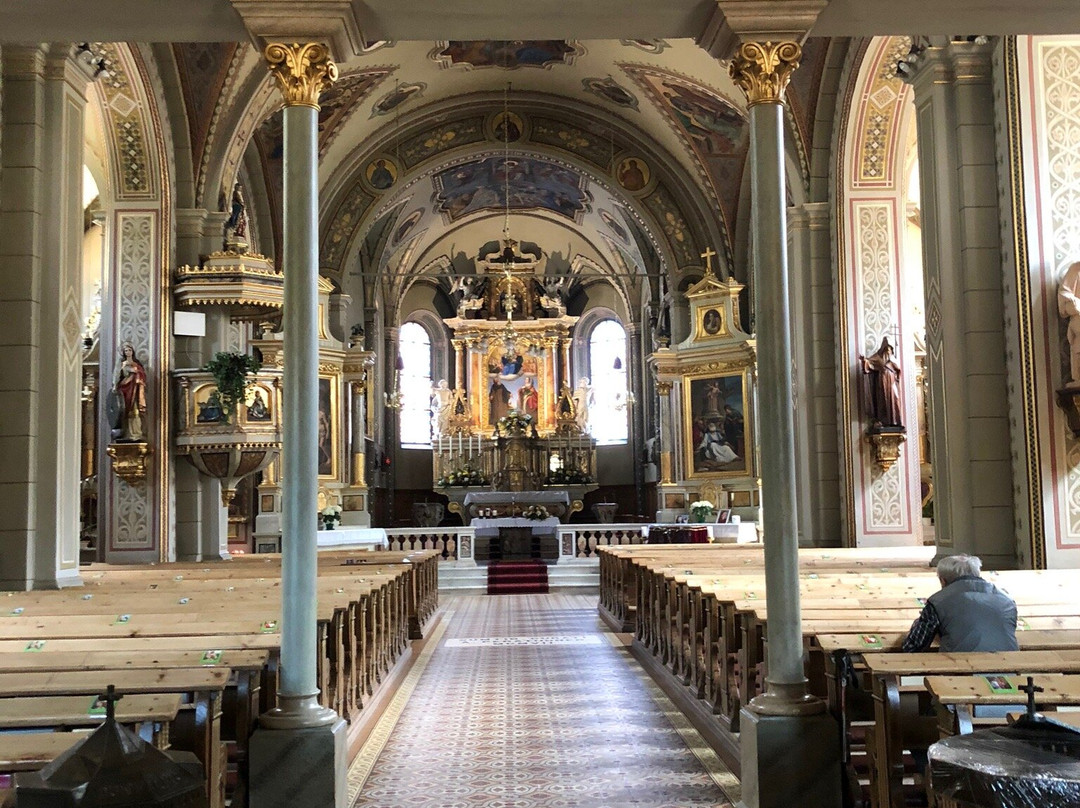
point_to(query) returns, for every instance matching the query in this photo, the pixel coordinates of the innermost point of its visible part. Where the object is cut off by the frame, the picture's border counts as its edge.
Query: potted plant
(702, 511)
(230, 372)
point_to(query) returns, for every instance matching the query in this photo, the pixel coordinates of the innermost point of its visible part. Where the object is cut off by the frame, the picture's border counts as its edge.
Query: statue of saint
(583, 399)
(237, 225)
(441, 399)
(881, 388)
(131, 387)
(1069, 307)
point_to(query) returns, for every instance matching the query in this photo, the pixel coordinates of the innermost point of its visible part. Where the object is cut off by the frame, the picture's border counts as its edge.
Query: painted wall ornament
(608, 89)
(398, 96)
(381, 173)
(633, 173)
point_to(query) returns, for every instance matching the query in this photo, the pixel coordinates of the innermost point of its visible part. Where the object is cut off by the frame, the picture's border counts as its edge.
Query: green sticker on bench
(269, 626)
(1000, 684)
(35, 645)
(870, 641)
(17, 611)
(211, 657)
(121, 619)
(1022, 624)
(751, 595)
(97, 706)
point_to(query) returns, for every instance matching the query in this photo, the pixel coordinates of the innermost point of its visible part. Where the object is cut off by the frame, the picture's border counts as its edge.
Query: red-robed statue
(131, 385)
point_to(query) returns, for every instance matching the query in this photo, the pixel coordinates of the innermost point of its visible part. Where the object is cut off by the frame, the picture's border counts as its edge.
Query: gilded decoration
(597, 150)
(763, 70)
(302, 71)
(129, 461)
(346, 219)
(662, 205)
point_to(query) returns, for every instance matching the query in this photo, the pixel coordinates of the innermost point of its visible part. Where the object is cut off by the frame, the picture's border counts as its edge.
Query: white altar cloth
(360, 538)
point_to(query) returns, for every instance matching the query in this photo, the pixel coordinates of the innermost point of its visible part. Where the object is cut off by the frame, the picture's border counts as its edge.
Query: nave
(529, 701)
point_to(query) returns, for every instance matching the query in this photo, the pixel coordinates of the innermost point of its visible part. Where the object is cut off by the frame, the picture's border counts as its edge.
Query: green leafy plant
(230, 372)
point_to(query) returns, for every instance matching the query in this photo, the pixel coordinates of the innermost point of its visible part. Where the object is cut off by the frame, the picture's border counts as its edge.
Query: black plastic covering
(1034, 763)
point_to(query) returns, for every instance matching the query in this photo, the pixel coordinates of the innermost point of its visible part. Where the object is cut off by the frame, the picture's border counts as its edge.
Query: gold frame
(700, 333)
(335, 425)
(688, 431)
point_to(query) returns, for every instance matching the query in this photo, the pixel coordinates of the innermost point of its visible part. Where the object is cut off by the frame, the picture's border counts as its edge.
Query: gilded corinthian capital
(302, 71)
(763, 70)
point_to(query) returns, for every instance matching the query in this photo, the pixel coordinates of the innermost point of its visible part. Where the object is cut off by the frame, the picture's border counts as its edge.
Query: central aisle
(526, 701)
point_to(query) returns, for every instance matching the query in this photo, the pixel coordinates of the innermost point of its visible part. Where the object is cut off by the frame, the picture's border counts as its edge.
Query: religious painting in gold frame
(711, 323)
(329, 426)
(716, 425)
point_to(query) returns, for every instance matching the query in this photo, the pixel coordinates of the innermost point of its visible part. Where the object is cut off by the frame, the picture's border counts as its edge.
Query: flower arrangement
(702, 510)
(536, 513)
(330, 516)
(513, 423)
(568, 477)
(466, 475)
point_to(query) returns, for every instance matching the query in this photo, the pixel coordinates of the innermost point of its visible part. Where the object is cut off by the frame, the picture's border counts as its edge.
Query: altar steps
(579, 576)
(517, 578)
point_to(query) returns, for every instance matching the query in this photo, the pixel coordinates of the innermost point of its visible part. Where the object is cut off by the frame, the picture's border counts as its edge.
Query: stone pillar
(634, 372)
(785, 722)
(298, 754)
(667, 436)
(966, 357)
(41, 228)
(302, 72)
(814, 362)
(357, 394)
(566, 377)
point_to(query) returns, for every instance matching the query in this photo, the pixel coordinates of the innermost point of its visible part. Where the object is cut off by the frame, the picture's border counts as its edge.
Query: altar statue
(583, 399)
(881, 388)
(237, 225)
(1069, 307)
(441, 399)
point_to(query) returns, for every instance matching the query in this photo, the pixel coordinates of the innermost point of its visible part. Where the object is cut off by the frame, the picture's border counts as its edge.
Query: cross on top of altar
(714, 307)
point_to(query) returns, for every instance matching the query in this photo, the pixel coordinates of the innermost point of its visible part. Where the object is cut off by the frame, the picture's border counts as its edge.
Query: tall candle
(459, 443)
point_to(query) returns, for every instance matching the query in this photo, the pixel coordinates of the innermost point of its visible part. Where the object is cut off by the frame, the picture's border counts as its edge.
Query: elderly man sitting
(970, 613)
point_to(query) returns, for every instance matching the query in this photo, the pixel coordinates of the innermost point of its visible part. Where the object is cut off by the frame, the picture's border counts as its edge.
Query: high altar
(513, 423)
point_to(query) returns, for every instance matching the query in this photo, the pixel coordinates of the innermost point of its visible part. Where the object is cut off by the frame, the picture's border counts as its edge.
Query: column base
(805, 748)
(291, 767)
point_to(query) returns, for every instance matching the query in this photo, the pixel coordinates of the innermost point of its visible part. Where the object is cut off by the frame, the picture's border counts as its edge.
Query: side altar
(513, 427)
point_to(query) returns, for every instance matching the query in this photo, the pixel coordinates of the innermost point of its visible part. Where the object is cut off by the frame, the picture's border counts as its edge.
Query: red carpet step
(517, 578)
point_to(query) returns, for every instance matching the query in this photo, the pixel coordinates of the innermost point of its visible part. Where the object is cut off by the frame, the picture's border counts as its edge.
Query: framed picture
(329, 427)
(723, 516)
(716, 427)
(710, 323)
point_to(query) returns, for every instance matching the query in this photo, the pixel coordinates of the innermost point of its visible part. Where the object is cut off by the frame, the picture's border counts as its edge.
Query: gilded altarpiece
(706, 385)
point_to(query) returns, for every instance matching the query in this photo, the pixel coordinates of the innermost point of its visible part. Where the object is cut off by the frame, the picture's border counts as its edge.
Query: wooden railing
(452, 543)
(581, 541)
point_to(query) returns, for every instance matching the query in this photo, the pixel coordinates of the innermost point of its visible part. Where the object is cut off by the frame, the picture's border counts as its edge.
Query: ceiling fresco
(514, 181)
(637, 146)
(508, 55)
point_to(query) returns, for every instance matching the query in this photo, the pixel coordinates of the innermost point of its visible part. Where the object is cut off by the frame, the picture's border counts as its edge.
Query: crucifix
(708, 256)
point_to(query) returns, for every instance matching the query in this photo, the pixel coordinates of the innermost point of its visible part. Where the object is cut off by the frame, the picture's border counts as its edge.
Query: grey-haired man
(968, 612)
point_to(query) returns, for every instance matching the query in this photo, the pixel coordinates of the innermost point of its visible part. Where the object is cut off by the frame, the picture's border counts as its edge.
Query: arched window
(415, 385)
(608, 419)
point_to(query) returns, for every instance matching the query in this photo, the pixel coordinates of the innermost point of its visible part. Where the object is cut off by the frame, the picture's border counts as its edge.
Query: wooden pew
(894, 726)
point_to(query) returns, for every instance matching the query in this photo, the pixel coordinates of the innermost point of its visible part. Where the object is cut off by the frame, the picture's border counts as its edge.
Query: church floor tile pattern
(526, 701)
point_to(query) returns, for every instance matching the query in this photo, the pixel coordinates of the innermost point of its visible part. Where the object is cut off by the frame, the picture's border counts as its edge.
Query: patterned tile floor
(526, 701)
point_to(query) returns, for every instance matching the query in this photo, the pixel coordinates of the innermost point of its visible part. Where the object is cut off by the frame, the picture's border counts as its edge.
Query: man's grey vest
(975, 616)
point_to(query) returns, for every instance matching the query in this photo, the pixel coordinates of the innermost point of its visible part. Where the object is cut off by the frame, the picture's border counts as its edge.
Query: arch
(414, 383)
(884, 506)
(607, 365)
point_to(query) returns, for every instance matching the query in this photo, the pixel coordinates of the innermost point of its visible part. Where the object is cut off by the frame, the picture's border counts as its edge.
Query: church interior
(395, 420)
